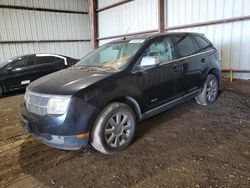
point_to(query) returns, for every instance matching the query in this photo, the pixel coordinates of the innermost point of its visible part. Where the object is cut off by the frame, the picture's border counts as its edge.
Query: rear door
(158, 84)
(206, 50)
(46, 64)
(191, 57)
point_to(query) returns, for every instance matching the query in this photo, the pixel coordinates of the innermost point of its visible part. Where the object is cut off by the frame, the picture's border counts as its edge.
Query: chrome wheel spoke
(116, 141)
(112, 122)
(109, 131)
(111, 139)
(127, 127)
(125, 120)
(124, 137)
(118, 117)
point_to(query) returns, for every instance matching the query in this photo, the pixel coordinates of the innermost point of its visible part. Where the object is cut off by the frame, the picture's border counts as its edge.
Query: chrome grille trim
(37, 102)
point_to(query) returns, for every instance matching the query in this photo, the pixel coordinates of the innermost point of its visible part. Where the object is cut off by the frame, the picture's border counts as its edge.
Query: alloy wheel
(118, 129)
(212, 90)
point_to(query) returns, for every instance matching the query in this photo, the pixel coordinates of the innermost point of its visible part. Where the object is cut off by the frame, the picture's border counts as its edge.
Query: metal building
(225, 22)
(44, 26)
(63, 26)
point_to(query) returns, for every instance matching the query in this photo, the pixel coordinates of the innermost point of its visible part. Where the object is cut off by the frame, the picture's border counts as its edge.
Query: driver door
(158, 84)
(24, 71)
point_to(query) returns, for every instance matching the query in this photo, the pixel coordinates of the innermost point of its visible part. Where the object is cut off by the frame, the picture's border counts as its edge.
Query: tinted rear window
(202, 42)
(185, 45)
(59, 60)
(45, 59)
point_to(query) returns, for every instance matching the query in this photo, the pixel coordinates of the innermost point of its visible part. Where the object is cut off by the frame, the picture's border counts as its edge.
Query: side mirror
(149, 62)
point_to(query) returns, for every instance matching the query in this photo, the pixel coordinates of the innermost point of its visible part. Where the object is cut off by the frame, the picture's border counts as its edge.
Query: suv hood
(66, 82)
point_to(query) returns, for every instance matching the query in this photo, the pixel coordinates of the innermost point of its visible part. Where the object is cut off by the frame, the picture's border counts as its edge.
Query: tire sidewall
(101, 121)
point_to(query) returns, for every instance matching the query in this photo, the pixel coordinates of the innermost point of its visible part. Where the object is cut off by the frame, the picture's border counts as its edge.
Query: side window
(186, 45)
(60, 60)
(45, 59)
(24, 62)
(202, 43)
(163, 49)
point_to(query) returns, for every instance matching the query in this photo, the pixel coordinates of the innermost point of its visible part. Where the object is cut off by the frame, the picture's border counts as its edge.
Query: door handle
(175, 68)
(203, 60)
(178, 68)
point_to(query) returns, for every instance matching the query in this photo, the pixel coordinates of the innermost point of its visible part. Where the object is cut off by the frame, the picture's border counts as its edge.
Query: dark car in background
(101, 98)
(18, 72)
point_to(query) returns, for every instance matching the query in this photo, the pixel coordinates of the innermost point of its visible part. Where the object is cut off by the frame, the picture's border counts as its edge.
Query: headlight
(58, 105)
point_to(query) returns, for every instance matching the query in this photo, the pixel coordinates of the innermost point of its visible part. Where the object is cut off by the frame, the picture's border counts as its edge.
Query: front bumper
(69, 131)
(61, 142)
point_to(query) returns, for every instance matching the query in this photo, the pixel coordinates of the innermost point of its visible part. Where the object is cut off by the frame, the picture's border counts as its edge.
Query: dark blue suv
(99, 100)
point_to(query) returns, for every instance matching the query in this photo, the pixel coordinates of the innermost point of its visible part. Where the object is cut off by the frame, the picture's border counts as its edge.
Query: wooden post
(161, 16)
(93, 23)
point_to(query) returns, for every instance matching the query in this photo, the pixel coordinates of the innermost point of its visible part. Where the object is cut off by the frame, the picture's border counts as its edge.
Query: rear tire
(209, 92)
(114, 128)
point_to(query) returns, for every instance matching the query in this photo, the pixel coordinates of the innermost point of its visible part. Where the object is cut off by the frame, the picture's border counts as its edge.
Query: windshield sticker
(137, 41)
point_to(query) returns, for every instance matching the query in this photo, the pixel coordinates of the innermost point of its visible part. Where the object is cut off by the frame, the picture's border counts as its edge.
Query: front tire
(209, 92)
(114, 128)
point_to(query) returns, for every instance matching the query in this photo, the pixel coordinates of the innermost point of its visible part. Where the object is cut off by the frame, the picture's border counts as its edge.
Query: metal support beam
(208, 23)
(42, 41)
(161, 16)
(128, 34)
(113, 5)
(42, 9)
(93, 23)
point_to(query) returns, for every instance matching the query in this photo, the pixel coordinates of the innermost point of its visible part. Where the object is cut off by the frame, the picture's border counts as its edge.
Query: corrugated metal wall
(78, 5)
(31, 25)
(135, 16)
(231, 39)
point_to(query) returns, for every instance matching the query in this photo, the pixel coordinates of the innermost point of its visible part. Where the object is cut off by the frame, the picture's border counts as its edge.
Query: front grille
(37, 104)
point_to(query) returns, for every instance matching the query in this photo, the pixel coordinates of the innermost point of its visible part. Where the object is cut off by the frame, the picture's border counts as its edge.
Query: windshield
(8, 61)
(5, 63)
(112, 56)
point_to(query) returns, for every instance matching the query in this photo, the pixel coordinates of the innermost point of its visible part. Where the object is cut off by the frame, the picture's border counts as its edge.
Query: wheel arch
(131, 102)
(215, 72)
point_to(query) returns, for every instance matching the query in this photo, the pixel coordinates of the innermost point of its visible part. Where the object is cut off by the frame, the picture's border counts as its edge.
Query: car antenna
(124, 38)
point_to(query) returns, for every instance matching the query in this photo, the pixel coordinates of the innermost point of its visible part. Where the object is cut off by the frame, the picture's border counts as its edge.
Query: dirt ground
(187, 146)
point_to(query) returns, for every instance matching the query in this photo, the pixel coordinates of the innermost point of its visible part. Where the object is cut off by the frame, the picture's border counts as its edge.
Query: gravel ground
(187, 146)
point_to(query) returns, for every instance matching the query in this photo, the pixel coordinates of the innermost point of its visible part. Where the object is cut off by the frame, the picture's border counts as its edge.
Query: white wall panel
(72, 49)
(181, 12)
(135, 16)
(22, 25)
(36, 25)
(231, 39)
(73, 5)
